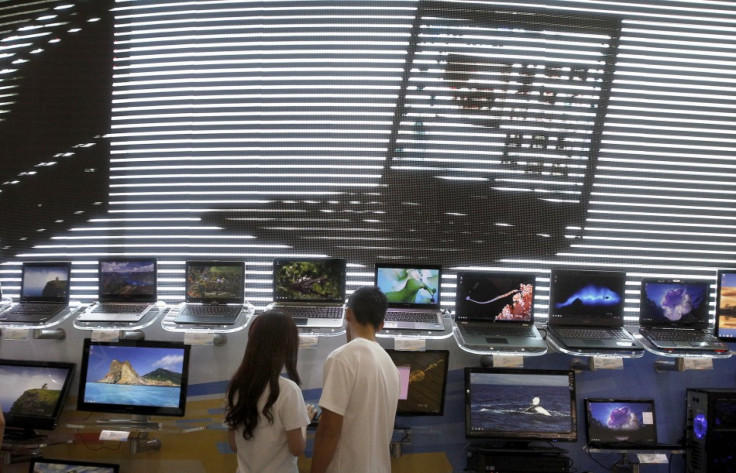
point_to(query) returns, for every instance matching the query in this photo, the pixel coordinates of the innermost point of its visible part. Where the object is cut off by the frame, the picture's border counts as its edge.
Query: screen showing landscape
(127, 278)
(214, 281)
(45, 281)
(46, 465)
(726, 306)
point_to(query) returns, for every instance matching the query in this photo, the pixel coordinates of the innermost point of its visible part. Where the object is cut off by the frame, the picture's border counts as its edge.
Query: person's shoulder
(286, 383)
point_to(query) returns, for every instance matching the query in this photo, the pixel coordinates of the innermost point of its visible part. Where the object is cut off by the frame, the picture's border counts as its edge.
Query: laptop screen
(411, 286)
(221, 282)
(674, 303)
(588, 298)
(45, 282)
(726, 304)
(494, 297)
(127, 280)
(625, 423)
(309, 280)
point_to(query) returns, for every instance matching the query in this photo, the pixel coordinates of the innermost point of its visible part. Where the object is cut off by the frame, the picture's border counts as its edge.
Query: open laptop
(621, 424)
(126, 290)
(311, 291)
(673, 315)
(44, 293)
(726, 305)
(495, 311)
(214, 292)
(586, 312)
(413, 293)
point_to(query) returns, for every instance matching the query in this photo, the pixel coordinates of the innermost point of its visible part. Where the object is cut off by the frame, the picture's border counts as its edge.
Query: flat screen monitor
(47, 465)
(520, 405)
(423, 376)
(726, 304)
(141, 378)
(32, 394)
(620, 423)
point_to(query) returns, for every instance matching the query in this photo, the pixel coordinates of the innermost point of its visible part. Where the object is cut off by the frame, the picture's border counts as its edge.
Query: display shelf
(680, 353)
(169, 323)
(479, 350)
(158, 309)
(23, 450)
(423, 334)
(625, 464)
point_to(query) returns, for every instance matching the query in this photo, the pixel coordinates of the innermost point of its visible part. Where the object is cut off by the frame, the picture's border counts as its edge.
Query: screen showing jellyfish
(586, 294)
(674, 303)
(494, 297)
(624, 422)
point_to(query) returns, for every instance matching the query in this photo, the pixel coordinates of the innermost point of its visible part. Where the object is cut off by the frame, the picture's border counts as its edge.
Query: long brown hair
(273, 343)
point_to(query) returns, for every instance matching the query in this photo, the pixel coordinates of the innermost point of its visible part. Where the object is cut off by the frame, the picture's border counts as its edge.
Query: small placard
(199, 338)
(410, 344)
(652, 458)
(697, 363)
(114, 435)
(308, 341)
(508, 361)
(15, 333)
(608, 363)
(105, 335)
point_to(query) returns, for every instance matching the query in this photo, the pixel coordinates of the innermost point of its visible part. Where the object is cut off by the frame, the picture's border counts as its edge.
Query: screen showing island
(46, 465)
(141, 377)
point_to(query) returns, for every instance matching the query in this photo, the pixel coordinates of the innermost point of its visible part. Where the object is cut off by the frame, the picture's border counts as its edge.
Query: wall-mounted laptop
(586, 312)
(127, 290)
(673, 315)
(413, 293)
(214, 293)
(310, 290)
(44, 293)
(726, 305)
(495, 311)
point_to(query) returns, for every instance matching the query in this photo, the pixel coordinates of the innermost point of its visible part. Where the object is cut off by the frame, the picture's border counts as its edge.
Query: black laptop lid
(46, 465)
(621, 423)
(726, 304)
(215, 282)
(127, 280)
(674, 303)
(494, 297)
(411, 286)
(300, 280)
(45, 282)
(587, 298)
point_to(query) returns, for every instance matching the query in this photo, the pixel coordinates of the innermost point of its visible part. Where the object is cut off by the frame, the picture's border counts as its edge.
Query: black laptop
(586, 312)
(44, 293)
(413, 293)
(495, 312)
(674, 313)
(215, 293)
(127, 290)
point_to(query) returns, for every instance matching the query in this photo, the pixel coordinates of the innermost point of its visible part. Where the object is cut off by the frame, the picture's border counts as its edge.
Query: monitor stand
(136, 421)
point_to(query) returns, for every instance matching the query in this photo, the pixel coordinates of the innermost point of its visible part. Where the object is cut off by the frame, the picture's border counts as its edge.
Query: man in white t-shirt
(359, 395)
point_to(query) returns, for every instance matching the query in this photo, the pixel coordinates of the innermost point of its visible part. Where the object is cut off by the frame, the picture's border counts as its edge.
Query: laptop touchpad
(594, 342)
(495, 340)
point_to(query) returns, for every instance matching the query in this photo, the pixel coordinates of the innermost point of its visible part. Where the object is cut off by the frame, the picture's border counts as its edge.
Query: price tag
(114, 435)
(308, 341)
(198, 338)
(508, 361)
(652, 458)
(697, 363)
(105, 335)
(608, 363)
(15, 333)
(410, 344)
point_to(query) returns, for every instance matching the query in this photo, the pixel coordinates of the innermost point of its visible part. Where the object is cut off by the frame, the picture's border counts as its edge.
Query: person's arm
(296, 439)
(325, 440)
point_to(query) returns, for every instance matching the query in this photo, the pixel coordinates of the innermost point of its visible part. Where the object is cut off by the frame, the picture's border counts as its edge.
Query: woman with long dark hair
(265, 411)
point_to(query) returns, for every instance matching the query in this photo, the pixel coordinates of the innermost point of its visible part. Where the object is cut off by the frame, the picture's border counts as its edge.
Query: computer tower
(710, 432)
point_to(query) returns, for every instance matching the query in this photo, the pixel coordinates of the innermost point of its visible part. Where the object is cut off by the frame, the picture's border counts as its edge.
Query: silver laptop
(495, 312)
(214, 293)
(310, 290)
(44, 293)
(413, 293)
(126, 292)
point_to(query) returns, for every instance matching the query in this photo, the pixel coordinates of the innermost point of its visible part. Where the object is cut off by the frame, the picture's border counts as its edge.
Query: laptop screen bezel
(33, 467)
(522, 277)
(67, 266)
(731, 334)
(283, 298)
(141, 298)
(215, 300)
(412, 305)
(647, 322)
(600, 320)
(623, 443)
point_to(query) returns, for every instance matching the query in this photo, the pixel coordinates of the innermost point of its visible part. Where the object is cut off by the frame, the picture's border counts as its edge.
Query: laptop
(214, 292)
(586, 312)
(413, 293)
(44, 293)
(621, 424)
(673, 315)
(726, 305)
(126, 290)
(311, 290)
(495, 311)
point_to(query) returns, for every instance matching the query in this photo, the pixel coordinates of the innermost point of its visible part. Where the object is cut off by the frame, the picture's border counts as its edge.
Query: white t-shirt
(361, 383)
(268, 451)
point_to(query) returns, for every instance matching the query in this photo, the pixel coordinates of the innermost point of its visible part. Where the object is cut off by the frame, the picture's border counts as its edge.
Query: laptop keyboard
(593, 333)
(411, 316)
(681, 336)
(211, 310)
(506, 331)
(119, 308)
(314, 312)
(34, 309)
